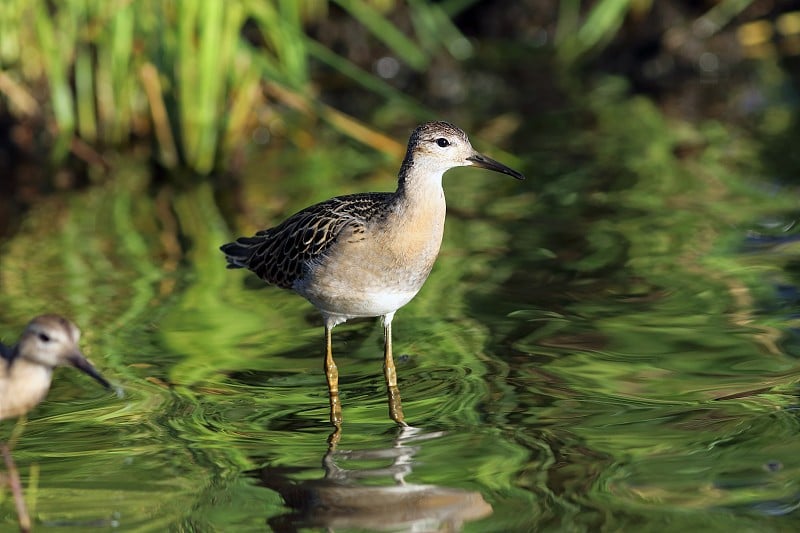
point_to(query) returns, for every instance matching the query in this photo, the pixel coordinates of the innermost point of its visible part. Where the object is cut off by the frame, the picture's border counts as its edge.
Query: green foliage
(582, 33)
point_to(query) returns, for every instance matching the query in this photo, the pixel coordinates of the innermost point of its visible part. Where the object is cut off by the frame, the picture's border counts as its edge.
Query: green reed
(186, 72)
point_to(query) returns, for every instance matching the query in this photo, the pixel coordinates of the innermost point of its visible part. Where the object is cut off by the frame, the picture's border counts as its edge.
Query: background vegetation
(195, 79)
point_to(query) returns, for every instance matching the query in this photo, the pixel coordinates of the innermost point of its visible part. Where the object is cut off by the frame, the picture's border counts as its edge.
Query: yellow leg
(332, 375)
(16, 490)
(333, 438)
(390, 373)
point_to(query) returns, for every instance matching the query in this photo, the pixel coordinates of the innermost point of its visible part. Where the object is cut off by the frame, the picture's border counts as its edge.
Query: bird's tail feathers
(238, 253)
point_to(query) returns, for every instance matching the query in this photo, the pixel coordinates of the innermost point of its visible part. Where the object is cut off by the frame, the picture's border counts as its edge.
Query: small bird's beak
(81, 363)
(480, 160)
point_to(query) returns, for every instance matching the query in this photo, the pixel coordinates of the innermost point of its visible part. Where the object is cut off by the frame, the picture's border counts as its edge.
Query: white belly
(342, 301)
(347, 289)
(364, 305)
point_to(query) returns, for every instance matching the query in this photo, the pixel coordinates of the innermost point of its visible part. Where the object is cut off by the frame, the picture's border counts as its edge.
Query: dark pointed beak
(480, 160)
(81, 363)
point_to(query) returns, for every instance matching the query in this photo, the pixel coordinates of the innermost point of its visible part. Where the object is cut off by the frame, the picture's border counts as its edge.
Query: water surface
(611, 345)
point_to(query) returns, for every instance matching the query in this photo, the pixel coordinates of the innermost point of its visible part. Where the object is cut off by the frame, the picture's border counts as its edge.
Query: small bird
(366, 254)
(26, 369)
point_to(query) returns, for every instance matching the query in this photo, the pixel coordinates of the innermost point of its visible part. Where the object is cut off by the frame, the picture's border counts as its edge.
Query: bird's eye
(44, 337)
(442, 142)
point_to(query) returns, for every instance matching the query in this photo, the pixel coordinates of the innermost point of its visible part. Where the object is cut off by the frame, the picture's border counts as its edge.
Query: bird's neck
(420, 185)
(416, 220)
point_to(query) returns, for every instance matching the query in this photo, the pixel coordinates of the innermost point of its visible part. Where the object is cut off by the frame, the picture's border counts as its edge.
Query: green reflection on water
(594, 346)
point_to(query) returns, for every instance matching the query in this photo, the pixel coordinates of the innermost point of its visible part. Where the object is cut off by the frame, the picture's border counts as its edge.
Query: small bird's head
(51, 341)
(435, 147)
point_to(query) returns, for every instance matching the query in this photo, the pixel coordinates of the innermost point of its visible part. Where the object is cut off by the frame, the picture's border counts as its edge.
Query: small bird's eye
(442, 142)
(44, 337)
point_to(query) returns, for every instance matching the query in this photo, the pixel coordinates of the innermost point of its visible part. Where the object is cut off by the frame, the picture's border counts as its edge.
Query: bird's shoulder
(7, 353)
(319, 225)
(357, 208)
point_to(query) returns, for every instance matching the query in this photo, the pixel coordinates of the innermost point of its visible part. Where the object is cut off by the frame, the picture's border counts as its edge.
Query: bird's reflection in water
(342, 498)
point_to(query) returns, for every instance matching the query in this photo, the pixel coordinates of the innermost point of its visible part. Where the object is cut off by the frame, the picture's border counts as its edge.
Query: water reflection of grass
(601, 347)
(648, 343)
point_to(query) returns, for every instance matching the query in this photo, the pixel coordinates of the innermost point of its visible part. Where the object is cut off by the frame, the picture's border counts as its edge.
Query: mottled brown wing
(278, 255)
